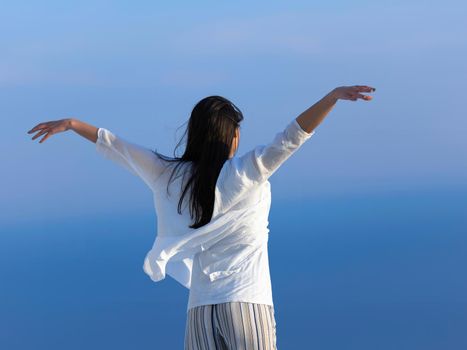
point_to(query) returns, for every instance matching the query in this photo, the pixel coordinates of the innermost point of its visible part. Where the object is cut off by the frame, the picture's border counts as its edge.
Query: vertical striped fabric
(231, 326)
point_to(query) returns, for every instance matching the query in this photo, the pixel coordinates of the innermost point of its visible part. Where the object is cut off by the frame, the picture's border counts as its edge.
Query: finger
(364, 97)
(38, 127)
(45, 137)
(364, 88)
(350, 96)
(43, 131)
(356, 96)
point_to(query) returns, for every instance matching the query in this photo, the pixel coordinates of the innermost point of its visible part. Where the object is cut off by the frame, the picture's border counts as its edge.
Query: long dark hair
(211, 130)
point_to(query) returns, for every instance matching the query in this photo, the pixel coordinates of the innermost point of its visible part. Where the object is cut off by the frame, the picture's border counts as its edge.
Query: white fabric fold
(228, 232)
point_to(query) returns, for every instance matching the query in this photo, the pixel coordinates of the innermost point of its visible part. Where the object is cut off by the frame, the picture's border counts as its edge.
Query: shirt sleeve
(139, 160)
(257, 165)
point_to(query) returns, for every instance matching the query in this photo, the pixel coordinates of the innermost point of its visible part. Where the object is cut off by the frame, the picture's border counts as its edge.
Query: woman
(212, 227)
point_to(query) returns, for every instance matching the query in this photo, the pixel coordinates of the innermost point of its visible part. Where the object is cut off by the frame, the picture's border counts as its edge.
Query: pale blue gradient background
(377, 197)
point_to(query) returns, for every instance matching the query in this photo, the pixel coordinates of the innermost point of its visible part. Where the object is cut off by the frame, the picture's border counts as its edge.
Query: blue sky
(138, 68)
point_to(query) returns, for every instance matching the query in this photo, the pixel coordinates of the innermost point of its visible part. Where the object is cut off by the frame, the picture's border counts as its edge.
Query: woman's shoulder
(235, 187)
(241, 171)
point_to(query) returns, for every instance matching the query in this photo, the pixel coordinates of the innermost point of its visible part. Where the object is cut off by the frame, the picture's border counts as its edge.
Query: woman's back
(226, 259)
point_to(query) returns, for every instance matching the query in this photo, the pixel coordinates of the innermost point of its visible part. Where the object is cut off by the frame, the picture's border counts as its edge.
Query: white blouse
(226, 259)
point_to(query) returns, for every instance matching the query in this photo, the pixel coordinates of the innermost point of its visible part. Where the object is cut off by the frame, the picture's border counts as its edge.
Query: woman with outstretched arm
(212, 225)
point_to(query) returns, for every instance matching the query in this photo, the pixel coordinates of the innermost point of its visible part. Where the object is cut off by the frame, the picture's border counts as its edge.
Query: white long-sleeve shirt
(226, 259)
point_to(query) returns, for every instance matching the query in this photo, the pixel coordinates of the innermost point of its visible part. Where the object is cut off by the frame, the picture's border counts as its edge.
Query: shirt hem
(227, 300)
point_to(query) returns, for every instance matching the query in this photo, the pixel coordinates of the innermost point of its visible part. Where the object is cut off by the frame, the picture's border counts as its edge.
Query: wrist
(70, 123)
(332, 96)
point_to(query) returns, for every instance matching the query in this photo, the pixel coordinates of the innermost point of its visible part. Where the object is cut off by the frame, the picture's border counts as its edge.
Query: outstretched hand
(353, 92)
(51, 128)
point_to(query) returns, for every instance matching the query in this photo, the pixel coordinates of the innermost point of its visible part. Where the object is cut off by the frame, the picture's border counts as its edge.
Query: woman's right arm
(138, 159)
(50, 128)
(86, 130)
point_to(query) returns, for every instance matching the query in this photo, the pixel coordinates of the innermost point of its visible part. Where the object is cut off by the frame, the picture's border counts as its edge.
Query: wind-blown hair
(211, 130)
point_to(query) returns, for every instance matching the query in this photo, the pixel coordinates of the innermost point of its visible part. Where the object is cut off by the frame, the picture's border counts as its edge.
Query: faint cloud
(192, 78)
(25, 75)
(279, 33)
(375, 29)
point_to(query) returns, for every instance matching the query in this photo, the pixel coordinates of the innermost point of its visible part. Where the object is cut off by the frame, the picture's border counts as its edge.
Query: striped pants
(231, 326)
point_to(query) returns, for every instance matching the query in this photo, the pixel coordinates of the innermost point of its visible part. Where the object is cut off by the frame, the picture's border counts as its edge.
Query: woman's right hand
(352, 92)
(51, 128)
